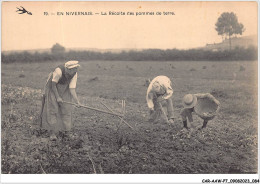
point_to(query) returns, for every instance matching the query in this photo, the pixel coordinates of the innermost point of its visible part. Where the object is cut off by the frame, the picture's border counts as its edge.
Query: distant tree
(227, 25)
(57, 48)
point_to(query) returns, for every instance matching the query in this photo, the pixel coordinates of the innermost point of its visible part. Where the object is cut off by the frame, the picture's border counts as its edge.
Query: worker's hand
(78, 104)
(59, 100)
(151, 110)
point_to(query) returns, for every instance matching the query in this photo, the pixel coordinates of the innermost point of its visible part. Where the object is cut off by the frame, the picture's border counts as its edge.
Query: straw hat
(72, 64)
(189, 101)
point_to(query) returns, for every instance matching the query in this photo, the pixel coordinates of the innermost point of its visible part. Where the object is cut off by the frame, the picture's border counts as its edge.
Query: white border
(120, 178)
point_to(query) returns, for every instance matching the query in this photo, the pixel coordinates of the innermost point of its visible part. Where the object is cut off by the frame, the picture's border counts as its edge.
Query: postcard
(133, 91)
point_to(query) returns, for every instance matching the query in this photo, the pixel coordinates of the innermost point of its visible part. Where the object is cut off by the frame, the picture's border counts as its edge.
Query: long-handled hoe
(92, 108)
(120, 116)
(123, 111)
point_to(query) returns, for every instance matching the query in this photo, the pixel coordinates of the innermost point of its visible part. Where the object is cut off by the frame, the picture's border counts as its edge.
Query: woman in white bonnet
(61, 84)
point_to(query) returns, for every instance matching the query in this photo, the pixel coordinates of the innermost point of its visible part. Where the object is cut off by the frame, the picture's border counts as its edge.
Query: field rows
(104, 145)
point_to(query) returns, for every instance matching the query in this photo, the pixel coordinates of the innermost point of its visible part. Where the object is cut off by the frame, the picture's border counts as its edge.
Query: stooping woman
(56, 115)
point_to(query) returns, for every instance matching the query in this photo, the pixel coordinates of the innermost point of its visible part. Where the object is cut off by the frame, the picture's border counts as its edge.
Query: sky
(191, 26)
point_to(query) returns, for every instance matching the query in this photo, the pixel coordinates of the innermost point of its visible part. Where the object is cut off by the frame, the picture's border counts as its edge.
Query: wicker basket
(206, 108)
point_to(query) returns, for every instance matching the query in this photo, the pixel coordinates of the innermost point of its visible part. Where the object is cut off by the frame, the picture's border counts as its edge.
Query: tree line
(237, 54)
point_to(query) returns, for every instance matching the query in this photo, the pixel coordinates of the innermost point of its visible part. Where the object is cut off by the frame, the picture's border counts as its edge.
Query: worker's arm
(168, 89)
(74, 95)
(54, 89)
(149, 100)
(72, 87)
(149, 96)
(55, 79)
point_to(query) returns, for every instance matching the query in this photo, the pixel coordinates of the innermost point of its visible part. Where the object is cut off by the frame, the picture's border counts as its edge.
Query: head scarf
(72, 64)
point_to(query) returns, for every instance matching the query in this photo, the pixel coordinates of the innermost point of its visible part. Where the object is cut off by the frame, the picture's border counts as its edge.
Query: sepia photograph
(128, 88)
